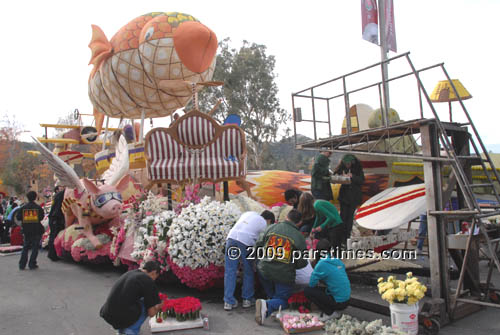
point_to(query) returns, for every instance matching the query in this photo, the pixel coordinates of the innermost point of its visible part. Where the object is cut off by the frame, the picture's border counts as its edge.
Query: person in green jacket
(320, 177)
(328, 223)
(283, 245)
(350, 195)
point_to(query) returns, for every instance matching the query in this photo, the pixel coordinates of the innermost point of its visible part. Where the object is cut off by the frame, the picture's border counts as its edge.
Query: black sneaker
(34, 267)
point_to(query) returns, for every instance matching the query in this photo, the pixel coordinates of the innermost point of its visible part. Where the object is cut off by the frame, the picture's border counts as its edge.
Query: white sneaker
(228, 306)
(248, 303)
(327, 317)
(260, 311)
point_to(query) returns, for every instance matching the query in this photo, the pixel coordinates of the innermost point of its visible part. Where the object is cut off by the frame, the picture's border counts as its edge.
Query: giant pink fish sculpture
(85, 203)
(143, 67)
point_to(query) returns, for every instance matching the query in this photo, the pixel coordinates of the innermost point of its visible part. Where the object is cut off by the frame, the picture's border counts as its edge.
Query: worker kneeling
(329, 272)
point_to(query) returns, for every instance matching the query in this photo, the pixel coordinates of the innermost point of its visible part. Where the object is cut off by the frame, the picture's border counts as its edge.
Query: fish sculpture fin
(176, 87)
(101, 48)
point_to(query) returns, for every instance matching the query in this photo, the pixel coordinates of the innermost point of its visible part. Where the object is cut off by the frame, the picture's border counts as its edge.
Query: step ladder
(474, 211)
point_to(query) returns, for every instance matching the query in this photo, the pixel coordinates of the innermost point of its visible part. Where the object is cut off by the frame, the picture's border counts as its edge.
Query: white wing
(66, 175)
(120, 164)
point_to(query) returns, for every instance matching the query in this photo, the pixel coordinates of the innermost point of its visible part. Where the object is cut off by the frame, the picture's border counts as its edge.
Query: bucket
(405, 318)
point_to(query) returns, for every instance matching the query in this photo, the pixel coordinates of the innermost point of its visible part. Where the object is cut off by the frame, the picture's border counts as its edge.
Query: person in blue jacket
(329, 287)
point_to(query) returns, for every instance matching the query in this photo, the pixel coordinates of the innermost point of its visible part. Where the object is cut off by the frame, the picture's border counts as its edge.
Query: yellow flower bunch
(408, 291)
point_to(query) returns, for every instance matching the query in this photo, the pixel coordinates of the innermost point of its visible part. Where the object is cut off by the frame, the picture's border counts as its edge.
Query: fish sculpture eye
(149, 33)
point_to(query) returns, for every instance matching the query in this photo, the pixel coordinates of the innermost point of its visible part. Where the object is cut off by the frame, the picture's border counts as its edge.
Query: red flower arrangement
(300, 302)
(201, 278)
(187, 308)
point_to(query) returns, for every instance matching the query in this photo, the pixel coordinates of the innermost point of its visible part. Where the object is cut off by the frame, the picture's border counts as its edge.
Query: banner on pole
(369, 20)
(390, 27)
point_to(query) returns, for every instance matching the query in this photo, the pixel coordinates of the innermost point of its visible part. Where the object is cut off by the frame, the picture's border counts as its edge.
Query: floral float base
(71, 242)
(201, 278)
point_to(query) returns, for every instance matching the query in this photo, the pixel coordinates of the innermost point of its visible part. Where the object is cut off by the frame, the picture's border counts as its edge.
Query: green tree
(21, 170)
(17, 167)
(249, 91)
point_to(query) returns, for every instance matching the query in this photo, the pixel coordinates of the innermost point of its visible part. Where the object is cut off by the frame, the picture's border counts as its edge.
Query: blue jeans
(306, 228)
(422, 232)
(30, 242)
(135, 329)
(238, 251)
(277, 294)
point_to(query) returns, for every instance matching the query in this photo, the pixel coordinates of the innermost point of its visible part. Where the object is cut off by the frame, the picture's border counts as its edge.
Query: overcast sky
(45, 48)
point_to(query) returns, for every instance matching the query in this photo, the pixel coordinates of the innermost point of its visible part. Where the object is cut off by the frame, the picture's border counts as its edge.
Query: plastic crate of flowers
(182, 309)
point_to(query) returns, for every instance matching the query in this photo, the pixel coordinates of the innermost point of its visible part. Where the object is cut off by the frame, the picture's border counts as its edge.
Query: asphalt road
(65, 297)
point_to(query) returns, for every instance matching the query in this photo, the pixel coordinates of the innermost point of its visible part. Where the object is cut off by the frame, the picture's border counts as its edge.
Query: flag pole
(383, 54)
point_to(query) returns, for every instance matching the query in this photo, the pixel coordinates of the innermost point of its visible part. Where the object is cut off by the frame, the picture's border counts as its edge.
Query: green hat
(348, 159)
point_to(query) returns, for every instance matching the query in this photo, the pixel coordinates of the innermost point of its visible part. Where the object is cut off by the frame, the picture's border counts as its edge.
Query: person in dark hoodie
(350, 195)
(321, 187)
(56, 221)
(277, 268)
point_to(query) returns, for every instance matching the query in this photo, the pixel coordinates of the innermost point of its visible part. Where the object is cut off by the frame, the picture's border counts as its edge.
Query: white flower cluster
(348, 325)
(198, 234)
(150, 206)
(246, 204)
(151, 237)
(281, 212)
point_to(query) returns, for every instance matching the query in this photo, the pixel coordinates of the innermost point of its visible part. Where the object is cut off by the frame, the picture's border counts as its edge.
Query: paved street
(64, 298)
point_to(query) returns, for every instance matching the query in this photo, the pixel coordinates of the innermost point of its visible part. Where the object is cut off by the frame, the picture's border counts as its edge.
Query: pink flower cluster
(200, 278)
(81, 254)
(311, 243)
(58, 244)
(303, 322)
(190, 196)
(117, 242)
(94, 256)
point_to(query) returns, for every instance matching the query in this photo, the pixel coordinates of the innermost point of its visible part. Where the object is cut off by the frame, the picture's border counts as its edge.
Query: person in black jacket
(132, 298)
(31, 215)
(350, 195)
(56, 221)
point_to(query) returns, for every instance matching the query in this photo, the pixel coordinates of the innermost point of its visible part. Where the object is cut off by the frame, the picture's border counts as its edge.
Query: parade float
(116, 217)
(153, 66)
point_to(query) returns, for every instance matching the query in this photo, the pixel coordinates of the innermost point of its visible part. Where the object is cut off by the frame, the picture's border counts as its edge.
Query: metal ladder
(474, 210)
